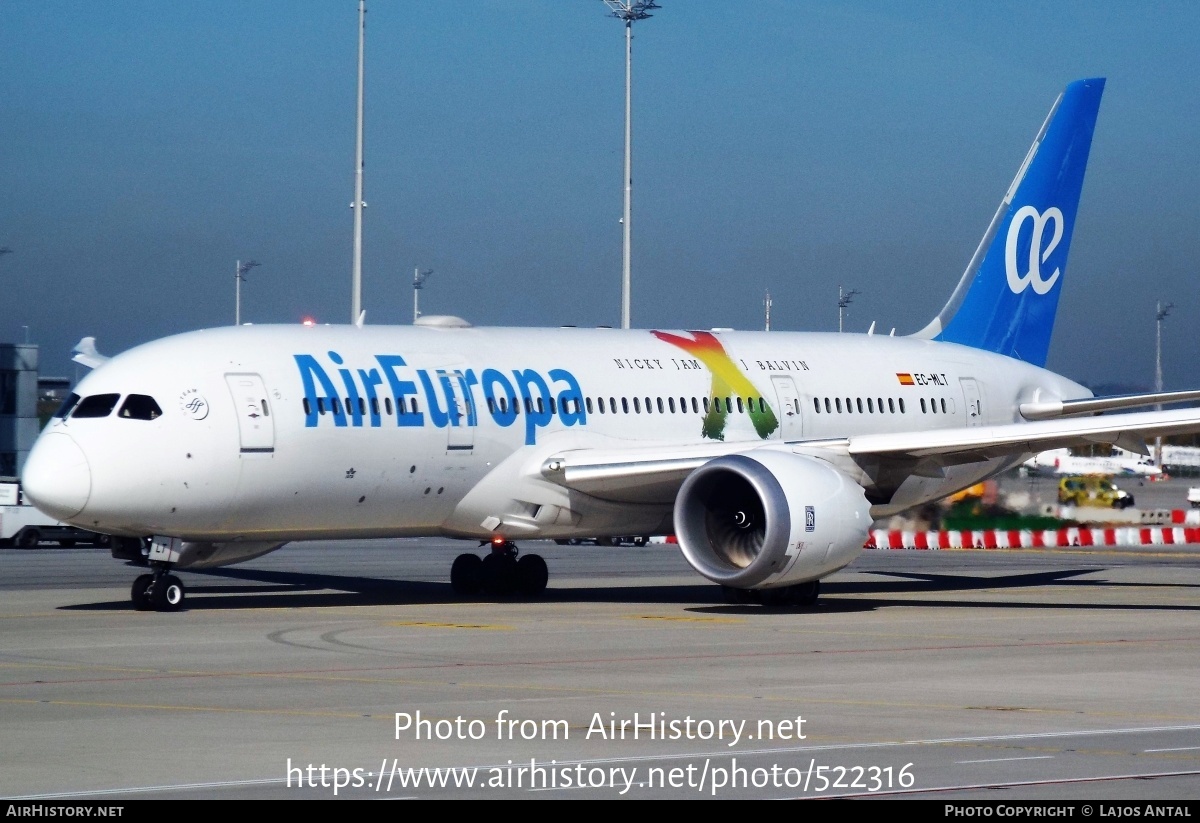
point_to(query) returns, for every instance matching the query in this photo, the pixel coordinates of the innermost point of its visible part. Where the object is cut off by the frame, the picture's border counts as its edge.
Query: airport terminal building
(24, 400)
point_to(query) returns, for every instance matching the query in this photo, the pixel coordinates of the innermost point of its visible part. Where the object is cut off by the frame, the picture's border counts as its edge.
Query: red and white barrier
(1033, 538)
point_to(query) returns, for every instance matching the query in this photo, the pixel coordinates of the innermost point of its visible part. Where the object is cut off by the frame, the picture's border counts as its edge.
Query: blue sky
(788, 146)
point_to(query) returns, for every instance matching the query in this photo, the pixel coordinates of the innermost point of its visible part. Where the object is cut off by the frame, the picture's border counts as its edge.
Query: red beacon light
(308, 321)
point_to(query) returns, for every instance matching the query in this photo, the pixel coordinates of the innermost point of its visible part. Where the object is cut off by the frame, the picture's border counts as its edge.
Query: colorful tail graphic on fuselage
(727, 381)
(1007, 299)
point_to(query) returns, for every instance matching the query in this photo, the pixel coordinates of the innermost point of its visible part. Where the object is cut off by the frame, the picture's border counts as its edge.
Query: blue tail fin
(1008, 296)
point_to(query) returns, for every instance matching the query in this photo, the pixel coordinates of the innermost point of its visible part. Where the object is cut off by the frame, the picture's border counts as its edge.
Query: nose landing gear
(160, 591)
(499, 573)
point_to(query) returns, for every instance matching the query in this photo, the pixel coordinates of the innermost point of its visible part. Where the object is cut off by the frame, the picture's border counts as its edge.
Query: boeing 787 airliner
(767, 454)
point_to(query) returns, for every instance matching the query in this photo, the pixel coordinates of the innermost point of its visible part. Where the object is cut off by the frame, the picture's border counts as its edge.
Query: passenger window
(307, 407)
(387, 401)
(589, 404)
(923, 406)
(660, 405)
(637, 407)
(943, 405)
(870, 405)
(705, 405)
(98, 405)
(860, 411)
(67, 405)
(140, 407)
(901, 402)
(817, 404)
(828, 410)
(320, 405)
(671, 404)
(695, 406)
(625, 404)
(891, 406)
(337, 406)
(837, 401)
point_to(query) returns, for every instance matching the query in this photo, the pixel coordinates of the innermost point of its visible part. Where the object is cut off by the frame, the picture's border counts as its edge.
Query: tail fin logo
(1037, 254)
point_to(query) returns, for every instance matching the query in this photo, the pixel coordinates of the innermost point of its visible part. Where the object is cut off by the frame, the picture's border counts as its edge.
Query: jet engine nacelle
(769, 518)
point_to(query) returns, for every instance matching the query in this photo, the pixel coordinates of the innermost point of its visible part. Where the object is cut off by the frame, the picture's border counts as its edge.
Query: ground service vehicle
(1093, 490)
(22, 524)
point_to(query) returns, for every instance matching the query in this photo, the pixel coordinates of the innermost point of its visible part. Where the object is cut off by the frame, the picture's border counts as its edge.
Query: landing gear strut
(160, 591)
(500, 572)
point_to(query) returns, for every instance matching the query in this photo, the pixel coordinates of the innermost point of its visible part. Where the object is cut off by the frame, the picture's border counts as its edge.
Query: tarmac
(336, 670)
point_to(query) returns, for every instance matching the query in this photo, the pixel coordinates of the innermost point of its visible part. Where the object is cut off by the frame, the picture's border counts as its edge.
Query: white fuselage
(251, 445)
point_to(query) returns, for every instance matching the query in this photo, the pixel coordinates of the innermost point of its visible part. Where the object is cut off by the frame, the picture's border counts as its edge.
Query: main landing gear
(499, 572)
(803, 595)
(160, 591)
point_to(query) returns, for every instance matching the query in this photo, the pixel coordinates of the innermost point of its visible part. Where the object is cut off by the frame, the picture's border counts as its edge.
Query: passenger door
(256, 429)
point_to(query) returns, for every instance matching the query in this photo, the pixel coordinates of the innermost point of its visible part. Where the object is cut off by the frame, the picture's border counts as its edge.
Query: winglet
(1008, 296)
(85, 353)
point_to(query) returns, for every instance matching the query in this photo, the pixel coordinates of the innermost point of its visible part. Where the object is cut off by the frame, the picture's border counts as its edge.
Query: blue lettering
(455, 410)
(310, 369)
(371, 379)
(537, 406)
(573, 394)
(449, 394)
(438, 416)
(400, 390)
(466, 380)
(504, 414)
(352, 407)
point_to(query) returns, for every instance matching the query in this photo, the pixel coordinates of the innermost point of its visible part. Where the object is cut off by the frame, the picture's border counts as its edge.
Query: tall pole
(358, 205)
(628, 10)
(239, 274)
(768, 305)
(419, 278)
(1160, 313)
(627, 219)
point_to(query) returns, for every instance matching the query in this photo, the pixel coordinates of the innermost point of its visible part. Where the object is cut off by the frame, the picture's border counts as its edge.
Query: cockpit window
(67, 405)
(98, 405)
(140, 407)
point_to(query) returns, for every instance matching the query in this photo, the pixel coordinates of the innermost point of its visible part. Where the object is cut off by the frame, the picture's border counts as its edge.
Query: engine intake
(769, 518)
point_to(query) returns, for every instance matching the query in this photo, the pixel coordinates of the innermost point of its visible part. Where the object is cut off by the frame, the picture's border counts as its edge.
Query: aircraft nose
(57, 478)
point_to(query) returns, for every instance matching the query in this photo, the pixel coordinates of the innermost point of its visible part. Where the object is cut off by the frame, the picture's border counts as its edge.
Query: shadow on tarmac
(257, 589)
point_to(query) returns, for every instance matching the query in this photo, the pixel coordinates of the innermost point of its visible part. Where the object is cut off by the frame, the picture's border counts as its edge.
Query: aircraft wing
(653, 474)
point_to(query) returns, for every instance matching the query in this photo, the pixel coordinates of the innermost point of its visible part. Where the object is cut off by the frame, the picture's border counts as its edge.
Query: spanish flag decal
(905, 379)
